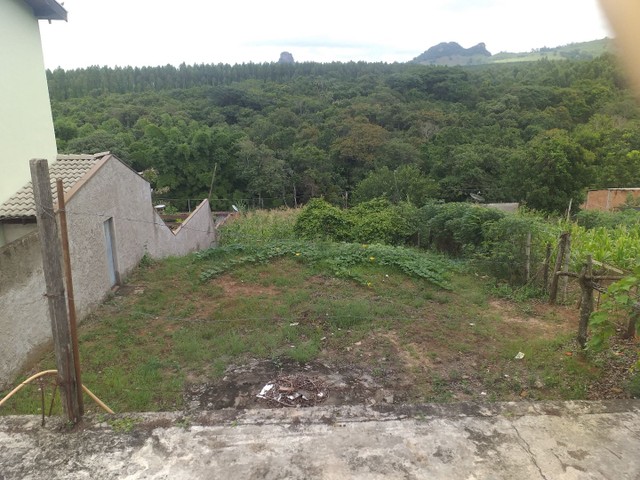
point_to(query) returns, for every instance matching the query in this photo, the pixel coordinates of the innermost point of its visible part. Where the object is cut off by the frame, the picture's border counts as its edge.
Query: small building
(112, 224)
(610, 198)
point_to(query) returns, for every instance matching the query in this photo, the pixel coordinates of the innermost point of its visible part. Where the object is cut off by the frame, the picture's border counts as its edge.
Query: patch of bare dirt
(537, 321)
(233, 288)
(241, 384)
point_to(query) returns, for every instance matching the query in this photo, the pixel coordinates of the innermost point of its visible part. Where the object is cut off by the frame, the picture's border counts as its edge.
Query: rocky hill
(451, 53)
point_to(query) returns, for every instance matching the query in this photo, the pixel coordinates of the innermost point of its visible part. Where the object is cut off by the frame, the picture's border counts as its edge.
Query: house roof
(47, 10)
(70, 168)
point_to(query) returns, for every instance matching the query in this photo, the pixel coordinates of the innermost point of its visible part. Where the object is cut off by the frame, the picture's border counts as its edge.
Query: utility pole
(55, 293)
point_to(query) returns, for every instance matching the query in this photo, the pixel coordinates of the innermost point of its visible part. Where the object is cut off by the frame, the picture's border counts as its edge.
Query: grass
(441, 333)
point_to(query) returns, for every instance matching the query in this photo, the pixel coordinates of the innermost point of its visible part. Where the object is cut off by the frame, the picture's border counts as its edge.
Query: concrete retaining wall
(24, 321)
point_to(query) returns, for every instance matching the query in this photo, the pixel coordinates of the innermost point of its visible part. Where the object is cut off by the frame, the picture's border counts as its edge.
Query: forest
(267, 135)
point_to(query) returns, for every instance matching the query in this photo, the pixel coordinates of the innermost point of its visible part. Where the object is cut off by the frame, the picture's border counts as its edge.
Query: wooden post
(213, 177)
(586, 305)
(52, 266)
(527, 254)
(553, 289)
(633, 321)
(545, 274)
(62, 215)
(565, 268)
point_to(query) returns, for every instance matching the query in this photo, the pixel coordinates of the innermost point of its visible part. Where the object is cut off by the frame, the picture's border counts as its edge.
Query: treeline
(539, 133)
(96, 80)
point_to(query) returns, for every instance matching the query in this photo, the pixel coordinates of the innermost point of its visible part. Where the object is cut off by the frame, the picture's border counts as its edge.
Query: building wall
(24, 323)
(112, 191)
(610, 199)
(13, 231)
(116, 192)
(26, 124)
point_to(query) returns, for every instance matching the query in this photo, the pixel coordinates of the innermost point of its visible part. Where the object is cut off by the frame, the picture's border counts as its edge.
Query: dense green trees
(540, 133)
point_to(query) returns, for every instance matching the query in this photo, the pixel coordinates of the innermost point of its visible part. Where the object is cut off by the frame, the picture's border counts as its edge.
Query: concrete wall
(26, 124)
(609, 199)
(13, 231)
(24, 321)
(111, 191)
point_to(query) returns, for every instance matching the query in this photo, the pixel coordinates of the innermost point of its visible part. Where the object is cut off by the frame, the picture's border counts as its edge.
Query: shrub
(503, 252)
(454, 228)
(320, 220)
(377, 221)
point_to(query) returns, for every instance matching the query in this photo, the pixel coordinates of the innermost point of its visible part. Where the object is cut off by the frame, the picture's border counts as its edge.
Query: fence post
(545, 274)
(565, 267)
(586, 305)
(527, 254)
(54, 282)
(553, 289)
(633, 321)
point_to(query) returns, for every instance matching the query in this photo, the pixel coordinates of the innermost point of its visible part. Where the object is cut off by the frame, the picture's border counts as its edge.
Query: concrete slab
(545, 440)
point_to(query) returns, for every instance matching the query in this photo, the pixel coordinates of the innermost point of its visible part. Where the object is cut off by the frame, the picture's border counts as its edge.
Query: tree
(553, 169)
(407, 183)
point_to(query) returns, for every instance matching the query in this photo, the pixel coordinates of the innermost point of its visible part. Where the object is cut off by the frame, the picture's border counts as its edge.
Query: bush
(377, 221)
(503, 254)
(321, 221)
(454, 228)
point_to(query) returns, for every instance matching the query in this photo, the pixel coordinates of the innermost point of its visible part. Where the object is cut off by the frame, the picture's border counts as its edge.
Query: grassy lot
(414, 321)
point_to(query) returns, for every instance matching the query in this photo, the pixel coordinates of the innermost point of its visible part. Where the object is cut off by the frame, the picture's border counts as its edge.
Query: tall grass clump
(259, 227)
(455, 228)
(595, 218)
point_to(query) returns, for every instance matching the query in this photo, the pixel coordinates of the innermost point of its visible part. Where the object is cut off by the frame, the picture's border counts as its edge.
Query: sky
(160, 32)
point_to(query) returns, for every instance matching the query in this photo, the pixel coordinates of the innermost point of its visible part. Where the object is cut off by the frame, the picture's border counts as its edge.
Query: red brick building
(609, 199)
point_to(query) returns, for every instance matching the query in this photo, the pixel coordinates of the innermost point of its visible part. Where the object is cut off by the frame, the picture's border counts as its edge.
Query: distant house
(609, 199)
(112, 224)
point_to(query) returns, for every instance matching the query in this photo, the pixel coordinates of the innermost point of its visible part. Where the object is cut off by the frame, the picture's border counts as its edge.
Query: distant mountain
(451, 53)
(286, 57)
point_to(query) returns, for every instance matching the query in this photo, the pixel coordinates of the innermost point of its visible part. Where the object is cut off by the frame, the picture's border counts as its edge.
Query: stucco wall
(13, 231)
(112, 191)
(26, 125)
(116, 192)
(197, 232)
(24, 322)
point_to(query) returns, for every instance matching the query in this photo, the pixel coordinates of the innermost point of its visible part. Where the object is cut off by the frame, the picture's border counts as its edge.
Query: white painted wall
(26, 123)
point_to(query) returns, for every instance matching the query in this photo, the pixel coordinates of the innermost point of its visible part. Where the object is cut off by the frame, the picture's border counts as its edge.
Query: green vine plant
(622, 301)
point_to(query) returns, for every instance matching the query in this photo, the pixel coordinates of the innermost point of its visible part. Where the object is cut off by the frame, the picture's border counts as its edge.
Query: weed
(122, 424)
(183, 422)
(634, 385)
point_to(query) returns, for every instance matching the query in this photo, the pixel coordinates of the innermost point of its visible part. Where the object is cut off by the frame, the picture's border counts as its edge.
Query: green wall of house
(26, 124)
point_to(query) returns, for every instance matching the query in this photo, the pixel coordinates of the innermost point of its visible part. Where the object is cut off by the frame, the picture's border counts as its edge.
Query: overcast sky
(158, 32)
